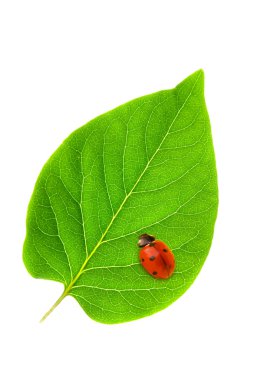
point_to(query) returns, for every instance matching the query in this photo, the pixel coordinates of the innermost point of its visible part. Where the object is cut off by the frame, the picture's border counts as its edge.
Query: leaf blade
(154, 151)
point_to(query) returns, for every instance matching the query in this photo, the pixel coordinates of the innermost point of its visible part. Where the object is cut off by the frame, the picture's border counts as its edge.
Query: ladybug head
(145, 239)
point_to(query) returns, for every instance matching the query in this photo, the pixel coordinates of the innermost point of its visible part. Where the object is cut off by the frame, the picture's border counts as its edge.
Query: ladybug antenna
(145, 239)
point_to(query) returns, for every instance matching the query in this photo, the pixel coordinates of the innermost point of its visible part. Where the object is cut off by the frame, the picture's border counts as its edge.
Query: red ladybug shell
(157, 259)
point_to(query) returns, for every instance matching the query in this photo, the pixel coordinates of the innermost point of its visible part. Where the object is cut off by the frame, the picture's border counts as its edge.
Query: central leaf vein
(101, 240)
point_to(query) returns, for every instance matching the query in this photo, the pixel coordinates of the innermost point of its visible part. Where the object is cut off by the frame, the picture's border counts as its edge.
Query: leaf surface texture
(147, 166)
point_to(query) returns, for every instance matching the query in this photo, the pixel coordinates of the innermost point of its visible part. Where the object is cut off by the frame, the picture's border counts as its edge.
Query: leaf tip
(198, 76)
(201, 76)
(196, 79)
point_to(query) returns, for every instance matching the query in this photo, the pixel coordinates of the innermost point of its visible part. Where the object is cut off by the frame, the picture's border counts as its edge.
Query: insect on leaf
(147, 166)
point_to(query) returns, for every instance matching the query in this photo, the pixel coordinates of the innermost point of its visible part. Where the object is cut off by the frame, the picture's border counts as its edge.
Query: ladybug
(156, 257)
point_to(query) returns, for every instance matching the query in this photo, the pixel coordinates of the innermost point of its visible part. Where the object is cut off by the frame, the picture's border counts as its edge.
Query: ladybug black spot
(143, 259)
(165, 250)
(152, 258)
(154, 273)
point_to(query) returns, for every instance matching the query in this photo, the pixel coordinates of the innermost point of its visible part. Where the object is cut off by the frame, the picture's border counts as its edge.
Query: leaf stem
(66, 290)
(54, 306)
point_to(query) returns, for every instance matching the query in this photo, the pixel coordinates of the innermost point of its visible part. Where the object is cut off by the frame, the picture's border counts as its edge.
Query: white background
(65, 62)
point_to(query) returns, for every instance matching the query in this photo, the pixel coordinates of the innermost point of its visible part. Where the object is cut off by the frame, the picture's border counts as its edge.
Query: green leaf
(148, 166)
